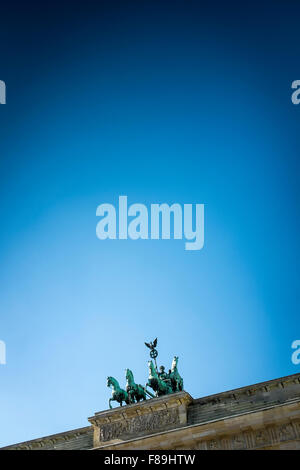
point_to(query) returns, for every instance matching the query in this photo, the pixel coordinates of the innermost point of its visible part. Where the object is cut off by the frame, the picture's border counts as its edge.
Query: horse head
(174, 363)
(111, 381)
(129, 375)
(152, 370)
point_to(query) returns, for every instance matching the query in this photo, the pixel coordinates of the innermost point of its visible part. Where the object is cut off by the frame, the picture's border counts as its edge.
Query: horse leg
(130, 399)
(111, 399)
(143, 393)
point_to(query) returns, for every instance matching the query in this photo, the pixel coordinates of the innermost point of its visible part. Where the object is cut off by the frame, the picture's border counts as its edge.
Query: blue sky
(161, 103)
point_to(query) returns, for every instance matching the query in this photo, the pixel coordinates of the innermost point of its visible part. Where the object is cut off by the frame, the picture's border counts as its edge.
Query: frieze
(139, 424)
(265, 437)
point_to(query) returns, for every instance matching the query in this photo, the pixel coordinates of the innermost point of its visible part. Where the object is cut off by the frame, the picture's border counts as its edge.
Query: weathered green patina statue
(136, 392)
(161, 382)
(117, 394)
(160, 386)
(176, 379)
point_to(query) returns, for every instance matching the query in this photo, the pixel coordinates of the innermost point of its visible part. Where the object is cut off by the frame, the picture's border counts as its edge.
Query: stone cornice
(51, 440)
(250, 390)
(144, 407)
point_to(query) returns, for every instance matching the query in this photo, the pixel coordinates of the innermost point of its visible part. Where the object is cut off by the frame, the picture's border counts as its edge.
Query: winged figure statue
(152, 345)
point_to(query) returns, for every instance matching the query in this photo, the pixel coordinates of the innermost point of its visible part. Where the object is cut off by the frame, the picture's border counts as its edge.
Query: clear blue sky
(162, 102)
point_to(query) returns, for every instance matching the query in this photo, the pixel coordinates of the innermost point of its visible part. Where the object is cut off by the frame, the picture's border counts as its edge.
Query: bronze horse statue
(117, 394)
(136, 392)
(161, 382)
(176, 379)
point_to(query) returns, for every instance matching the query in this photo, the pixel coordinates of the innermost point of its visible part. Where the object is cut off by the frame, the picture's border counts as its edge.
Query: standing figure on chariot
(163, 375)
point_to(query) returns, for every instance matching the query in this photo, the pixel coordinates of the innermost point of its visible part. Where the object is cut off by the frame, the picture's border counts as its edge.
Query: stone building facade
(261, 416)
